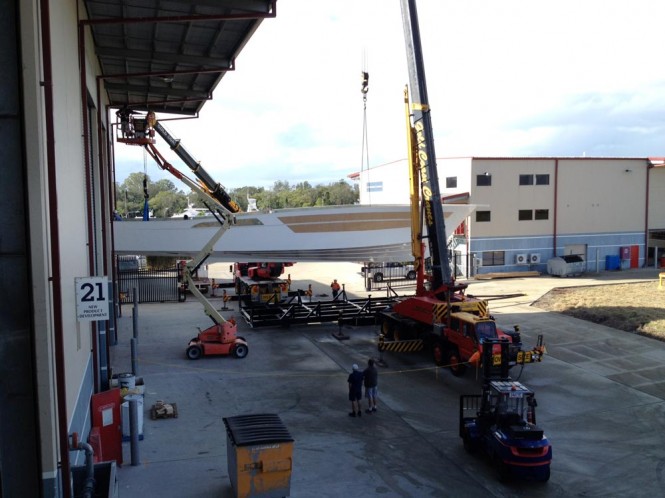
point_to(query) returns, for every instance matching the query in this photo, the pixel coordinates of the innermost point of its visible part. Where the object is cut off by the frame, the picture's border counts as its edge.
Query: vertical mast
(422, 123)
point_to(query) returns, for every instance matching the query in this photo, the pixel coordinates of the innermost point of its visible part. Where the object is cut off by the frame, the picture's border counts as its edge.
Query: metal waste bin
(259, 451)
(566, 266)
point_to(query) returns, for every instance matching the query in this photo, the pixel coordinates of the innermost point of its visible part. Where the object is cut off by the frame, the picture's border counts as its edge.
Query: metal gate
(388, 275)
(153, 286)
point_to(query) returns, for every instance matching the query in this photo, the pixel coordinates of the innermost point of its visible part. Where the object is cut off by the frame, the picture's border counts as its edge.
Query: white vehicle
(191, 212)
(379, 272)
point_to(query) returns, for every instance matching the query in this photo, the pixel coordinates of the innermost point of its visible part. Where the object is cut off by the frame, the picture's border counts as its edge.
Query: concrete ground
(600, 400)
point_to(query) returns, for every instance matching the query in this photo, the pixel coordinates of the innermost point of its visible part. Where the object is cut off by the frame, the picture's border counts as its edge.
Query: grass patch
(638, 308)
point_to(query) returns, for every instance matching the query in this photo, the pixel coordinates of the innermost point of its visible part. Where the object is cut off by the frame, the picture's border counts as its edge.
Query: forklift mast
(423, 148)
(496, 360)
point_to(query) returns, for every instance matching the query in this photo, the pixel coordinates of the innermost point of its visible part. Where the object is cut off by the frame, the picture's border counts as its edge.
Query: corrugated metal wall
(20, 473)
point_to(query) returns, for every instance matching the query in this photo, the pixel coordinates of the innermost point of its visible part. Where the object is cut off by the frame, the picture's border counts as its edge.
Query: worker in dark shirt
(355, 381)
(371, 376)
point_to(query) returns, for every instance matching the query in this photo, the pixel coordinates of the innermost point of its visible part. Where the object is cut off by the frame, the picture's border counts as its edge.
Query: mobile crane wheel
(454, 363)
(439, 354)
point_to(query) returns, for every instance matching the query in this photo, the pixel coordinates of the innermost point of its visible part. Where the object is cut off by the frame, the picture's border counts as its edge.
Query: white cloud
(504, 78)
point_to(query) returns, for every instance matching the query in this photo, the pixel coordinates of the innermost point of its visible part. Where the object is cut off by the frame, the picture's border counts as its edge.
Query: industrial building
(608, 211)
(67, 67)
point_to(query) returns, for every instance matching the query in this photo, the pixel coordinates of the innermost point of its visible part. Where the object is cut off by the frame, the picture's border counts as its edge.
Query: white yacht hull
(334, 233)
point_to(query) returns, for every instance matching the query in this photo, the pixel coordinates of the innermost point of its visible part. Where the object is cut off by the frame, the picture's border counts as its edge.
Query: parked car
(379, 272)
(129, 263)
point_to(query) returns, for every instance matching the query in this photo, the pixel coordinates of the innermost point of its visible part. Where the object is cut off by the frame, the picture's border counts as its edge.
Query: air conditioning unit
(534, 258)
(521, 259)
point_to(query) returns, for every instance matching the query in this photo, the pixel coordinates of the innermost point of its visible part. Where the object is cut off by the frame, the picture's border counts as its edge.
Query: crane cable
(146, 196)
(364, 162)
(365, 147)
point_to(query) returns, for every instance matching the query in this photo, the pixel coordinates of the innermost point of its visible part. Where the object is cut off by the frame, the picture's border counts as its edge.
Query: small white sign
(92, 301)
(107, 416)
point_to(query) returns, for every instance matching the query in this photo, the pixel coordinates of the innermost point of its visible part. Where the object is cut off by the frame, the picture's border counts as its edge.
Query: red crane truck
(439, 316)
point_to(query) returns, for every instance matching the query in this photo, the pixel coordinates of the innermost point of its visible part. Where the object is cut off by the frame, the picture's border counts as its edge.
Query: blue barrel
(613, 262)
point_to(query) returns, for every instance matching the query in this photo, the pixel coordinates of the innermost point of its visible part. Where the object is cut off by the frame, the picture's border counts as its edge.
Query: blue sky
(509, 78)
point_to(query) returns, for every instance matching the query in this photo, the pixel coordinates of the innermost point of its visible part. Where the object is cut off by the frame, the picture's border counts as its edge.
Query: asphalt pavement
(600, 400)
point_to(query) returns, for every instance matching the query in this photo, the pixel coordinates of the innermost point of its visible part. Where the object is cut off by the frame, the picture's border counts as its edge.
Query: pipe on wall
(646, 218)
(92, 269)
(56, 277)
(556, 205)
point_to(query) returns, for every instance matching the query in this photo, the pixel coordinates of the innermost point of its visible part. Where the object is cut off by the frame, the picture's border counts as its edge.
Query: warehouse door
(634, 256)
(575, 249)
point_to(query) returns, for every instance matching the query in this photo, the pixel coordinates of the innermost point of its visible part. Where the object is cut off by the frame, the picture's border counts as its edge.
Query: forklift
(501, 421)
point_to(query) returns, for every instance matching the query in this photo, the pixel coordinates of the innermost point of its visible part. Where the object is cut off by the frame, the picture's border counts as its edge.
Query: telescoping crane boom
(425, 154)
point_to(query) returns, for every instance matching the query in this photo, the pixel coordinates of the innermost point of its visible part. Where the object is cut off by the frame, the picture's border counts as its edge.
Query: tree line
(166, 200)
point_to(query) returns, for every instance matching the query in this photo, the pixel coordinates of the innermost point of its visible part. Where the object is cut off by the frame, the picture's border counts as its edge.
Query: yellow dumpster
(259, 451)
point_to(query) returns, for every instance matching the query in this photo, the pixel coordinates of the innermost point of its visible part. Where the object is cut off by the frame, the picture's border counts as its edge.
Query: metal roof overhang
(169, 55)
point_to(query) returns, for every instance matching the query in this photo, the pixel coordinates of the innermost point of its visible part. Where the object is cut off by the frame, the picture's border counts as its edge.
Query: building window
(542, 214)
(375, 186)
(483, 216)
(525, 215)
(451, 182)
(526, 179)
(484, 180)
(494, 258)
(542, 179)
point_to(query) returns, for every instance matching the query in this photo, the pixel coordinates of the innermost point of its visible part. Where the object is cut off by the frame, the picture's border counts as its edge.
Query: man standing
(371, 376)
(355, 381)
(335, 288)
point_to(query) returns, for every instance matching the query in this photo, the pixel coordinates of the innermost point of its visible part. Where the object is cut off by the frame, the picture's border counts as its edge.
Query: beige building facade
(529, 210)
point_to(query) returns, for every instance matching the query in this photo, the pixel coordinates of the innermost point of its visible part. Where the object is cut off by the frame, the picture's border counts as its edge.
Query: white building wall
(72, 219)
(458, 168)
(657, 198)
(389, 183)
(40, 249)
(71, 186)
(385, 184)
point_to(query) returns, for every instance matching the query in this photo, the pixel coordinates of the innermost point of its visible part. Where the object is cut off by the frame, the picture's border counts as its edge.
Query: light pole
(126, 212)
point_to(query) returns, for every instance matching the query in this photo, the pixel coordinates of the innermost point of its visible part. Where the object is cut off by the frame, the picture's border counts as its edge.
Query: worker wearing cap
(355, 381)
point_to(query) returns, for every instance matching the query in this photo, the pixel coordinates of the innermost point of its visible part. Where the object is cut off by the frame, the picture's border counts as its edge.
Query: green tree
(164, 198)
(241, 194)
(165, 185)
(131, 194)
(167, 203)
(341, 193)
